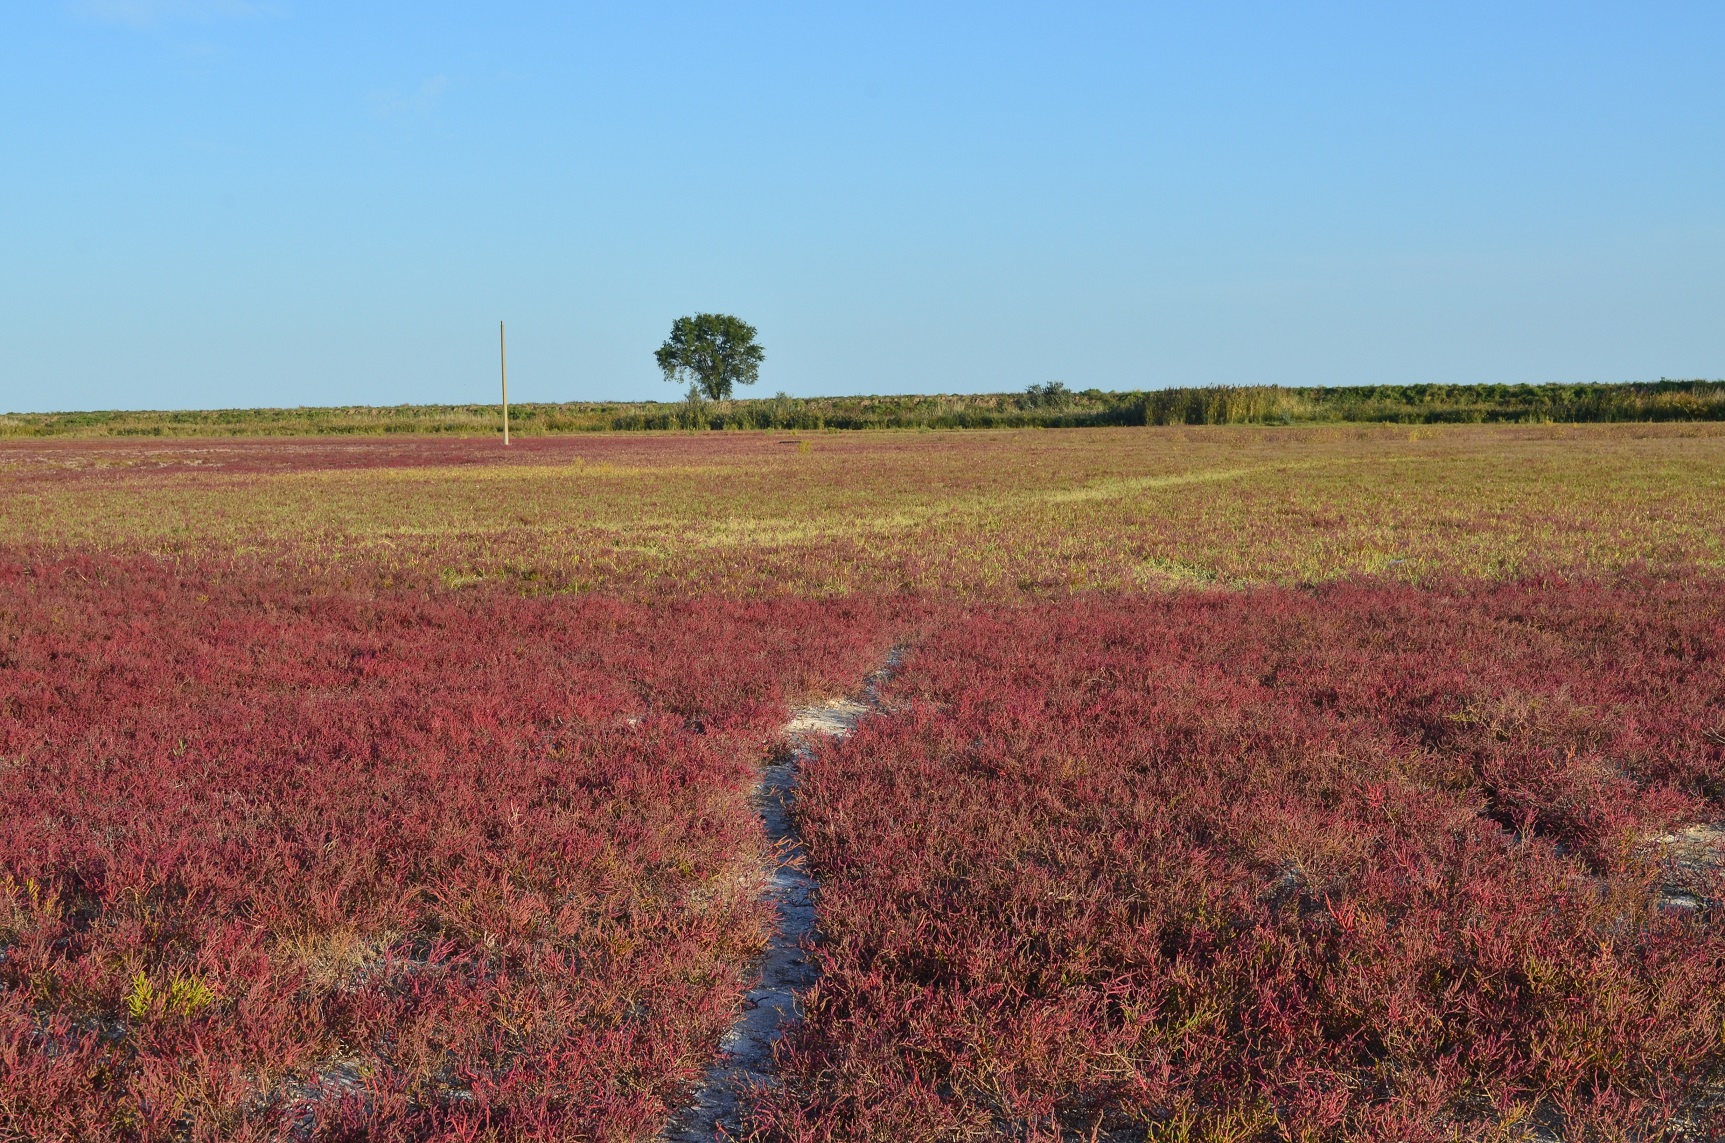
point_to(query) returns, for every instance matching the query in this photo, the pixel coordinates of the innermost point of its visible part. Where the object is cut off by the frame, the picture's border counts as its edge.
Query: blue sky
(238, 202)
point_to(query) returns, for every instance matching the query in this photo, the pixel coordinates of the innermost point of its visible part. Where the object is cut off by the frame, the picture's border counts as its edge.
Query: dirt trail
(746, 1052)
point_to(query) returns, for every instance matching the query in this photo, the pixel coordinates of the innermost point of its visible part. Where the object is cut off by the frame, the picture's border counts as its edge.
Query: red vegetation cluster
(283, 861)
(1365, 862)
(84, 459)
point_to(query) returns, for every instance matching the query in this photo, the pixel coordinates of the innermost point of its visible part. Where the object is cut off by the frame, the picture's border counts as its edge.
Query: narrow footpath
(746, 1052)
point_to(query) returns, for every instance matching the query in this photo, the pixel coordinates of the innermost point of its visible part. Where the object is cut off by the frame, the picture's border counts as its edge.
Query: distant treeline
(1048, 406)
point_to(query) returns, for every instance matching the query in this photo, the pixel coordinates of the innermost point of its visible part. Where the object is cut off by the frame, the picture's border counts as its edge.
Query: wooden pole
(503, 368)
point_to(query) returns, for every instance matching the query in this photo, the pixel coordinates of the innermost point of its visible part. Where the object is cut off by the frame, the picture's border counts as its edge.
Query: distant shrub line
(1041, 406)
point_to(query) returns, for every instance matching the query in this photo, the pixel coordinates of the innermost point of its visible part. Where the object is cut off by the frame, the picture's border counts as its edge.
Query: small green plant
(692, 413)
(455, 580)
(142, 996)
(185, 996)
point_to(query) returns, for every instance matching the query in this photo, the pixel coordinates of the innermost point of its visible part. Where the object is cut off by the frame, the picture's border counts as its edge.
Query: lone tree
(713, 352)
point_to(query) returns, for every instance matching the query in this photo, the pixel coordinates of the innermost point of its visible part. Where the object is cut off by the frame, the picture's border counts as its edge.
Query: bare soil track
(746, 1052)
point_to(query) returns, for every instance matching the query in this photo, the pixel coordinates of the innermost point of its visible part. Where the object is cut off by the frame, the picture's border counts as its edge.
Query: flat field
(964, 514)
(1235, 783)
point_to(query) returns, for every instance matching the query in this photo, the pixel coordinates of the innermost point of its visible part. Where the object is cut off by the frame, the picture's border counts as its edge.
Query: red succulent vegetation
(399, 789)
(1364, 862)
(279, 859)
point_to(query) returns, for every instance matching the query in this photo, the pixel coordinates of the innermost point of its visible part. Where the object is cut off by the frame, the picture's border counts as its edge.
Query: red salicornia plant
(279, 860)
(1365, 862)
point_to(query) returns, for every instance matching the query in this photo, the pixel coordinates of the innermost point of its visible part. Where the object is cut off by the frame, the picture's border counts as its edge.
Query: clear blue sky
(240, 202)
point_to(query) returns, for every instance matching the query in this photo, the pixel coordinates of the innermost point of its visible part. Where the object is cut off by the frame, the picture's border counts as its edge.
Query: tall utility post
(503, 368)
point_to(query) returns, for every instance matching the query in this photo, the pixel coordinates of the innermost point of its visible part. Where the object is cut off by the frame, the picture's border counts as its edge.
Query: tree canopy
(1049, 395)
(712, 352)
